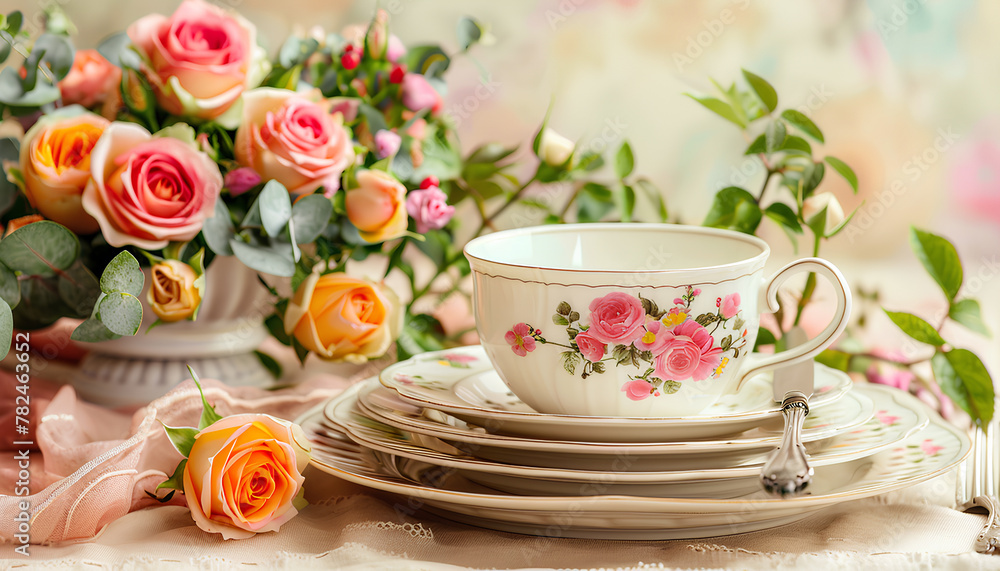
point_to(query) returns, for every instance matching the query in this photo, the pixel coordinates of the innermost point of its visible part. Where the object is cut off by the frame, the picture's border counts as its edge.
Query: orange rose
(172, 294)
(91, 80)
(343, 318)
(18, 223)
(243, 473)
(377, 207)
(55, 160)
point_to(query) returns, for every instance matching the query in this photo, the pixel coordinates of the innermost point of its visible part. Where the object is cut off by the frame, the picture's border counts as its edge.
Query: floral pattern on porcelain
(666, 347)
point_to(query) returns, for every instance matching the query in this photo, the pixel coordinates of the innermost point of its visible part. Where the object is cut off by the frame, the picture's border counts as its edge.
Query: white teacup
(641, 320)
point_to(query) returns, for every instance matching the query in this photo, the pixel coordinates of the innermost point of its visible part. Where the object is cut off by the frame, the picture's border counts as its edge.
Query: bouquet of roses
(178, 141)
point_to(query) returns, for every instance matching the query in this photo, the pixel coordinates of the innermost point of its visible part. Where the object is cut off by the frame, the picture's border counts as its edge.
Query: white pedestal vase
(218, 345)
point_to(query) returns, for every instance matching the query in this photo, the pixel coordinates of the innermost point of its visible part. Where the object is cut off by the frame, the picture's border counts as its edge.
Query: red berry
(348, 48)
(430, 181)
(350, 60)
(397, 73)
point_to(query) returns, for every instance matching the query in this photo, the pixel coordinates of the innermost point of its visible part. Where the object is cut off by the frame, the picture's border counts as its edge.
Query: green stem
(810, 288)
(866, 355)
(517, 194)
(569, 203)
(767, 179)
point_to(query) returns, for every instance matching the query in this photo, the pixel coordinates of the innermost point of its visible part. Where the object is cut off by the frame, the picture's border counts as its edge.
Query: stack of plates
(444, 431)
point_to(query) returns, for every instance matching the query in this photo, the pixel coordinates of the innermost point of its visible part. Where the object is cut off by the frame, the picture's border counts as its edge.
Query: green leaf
(654, 195)
(218, 230)
(916, 327)
(768, 96)
(120, 312)
(123, 274)
(774, 135)
(10, 289)
(784, 215)
(594, 202)
(175, 482)
(428, 60)
(264, 259)
(6, 328)
(834, 359)
(965, 380)
(719, 107)
(40, 249)
(757, 146)
(275, 207)
(270, 363)
(938, 256)
(844, 171)
(208, 414)
(296, 50)
(436, 247)
(420, 333)
(311, 214)
(93, 331)
(796, 145)
(113, 46)
(79, 289)
(374, 118)
(798, 120)
(734, 209)
(181, 438)
(469, 33)
(626, 202)
(570, 359)
(812, 176)
(624, 161)
(13, 23)
(968, 313)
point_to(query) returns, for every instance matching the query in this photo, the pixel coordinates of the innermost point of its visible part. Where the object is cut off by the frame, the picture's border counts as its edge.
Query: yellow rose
(343, 318)
(172, 294)
(55, 161)
(243, 473)
(377, 207)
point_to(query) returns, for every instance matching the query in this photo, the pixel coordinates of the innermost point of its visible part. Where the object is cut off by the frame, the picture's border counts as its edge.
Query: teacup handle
(769, 300)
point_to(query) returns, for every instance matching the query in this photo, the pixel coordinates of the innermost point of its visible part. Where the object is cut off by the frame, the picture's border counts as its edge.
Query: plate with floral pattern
(864, 421)
(930, 452)
(463, 383)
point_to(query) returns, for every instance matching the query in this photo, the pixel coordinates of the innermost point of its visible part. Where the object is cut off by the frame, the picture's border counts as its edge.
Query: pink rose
(241, 180)
(653, 339)
(147, 191)
(91, 80)
(200, 60)
(346, 106)
(617, 318)
(592, 349)
(418, 94)
(429, 208)
(730, 306)
(520, 339)
(687, 354)
(377, 206)
(386, 143)
(637, 389)
(293, 140)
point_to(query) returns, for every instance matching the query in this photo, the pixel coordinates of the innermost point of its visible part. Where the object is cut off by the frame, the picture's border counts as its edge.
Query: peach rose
(91, 80)
(172, 293)
(55, 161)
(377, 207)
(200, 60)
(343, 318)
(243, 473)
(297, 142)
(146, 191)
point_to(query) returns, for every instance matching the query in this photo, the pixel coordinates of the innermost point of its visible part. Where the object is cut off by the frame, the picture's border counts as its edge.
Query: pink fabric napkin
(90, 465)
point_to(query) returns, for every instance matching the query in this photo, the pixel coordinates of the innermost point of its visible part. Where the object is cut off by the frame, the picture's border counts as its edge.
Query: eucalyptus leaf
(79, 289)
(10, 289)
(275, 207)
(113, 46)
(469, 33)
(968, 313)
(916, 327)
(93, 331)
(120, 312)
(296, 50)
(768, 96)
(799, 120)
(937, 255)
(735, 209)
(264, 259)
(123, 274)
(6, 328)
(965, 380)
(311, 214)
(218, 230)
(40, 249)
(55, 52)
(719, 107)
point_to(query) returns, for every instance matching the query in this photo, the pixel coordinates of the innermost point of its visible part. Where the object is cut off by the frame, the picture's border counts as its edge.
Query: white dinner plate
(930, 452)
(463, 383)
(843, 416)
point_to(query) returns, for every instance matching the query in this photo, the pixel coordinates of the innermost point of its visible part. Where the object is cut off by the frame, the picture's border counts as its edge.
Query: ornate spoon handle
(787, 471)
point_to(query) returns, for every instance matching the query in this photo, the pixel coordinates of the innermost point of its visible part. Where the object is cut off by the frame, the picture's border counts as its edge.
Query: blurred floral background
(905, 91)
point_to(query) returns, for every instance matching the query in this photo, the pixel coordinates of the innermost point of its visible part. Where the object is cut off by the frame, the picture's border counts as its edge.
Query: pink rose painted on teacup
(429, 208)
(289, 138)
(637, 389)
(654, 339)
(592, 349)
(147, 191)
(730, 306)
(199, 60)
(688, 354)
(617, 318)
(520, 339)
(91, 80)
